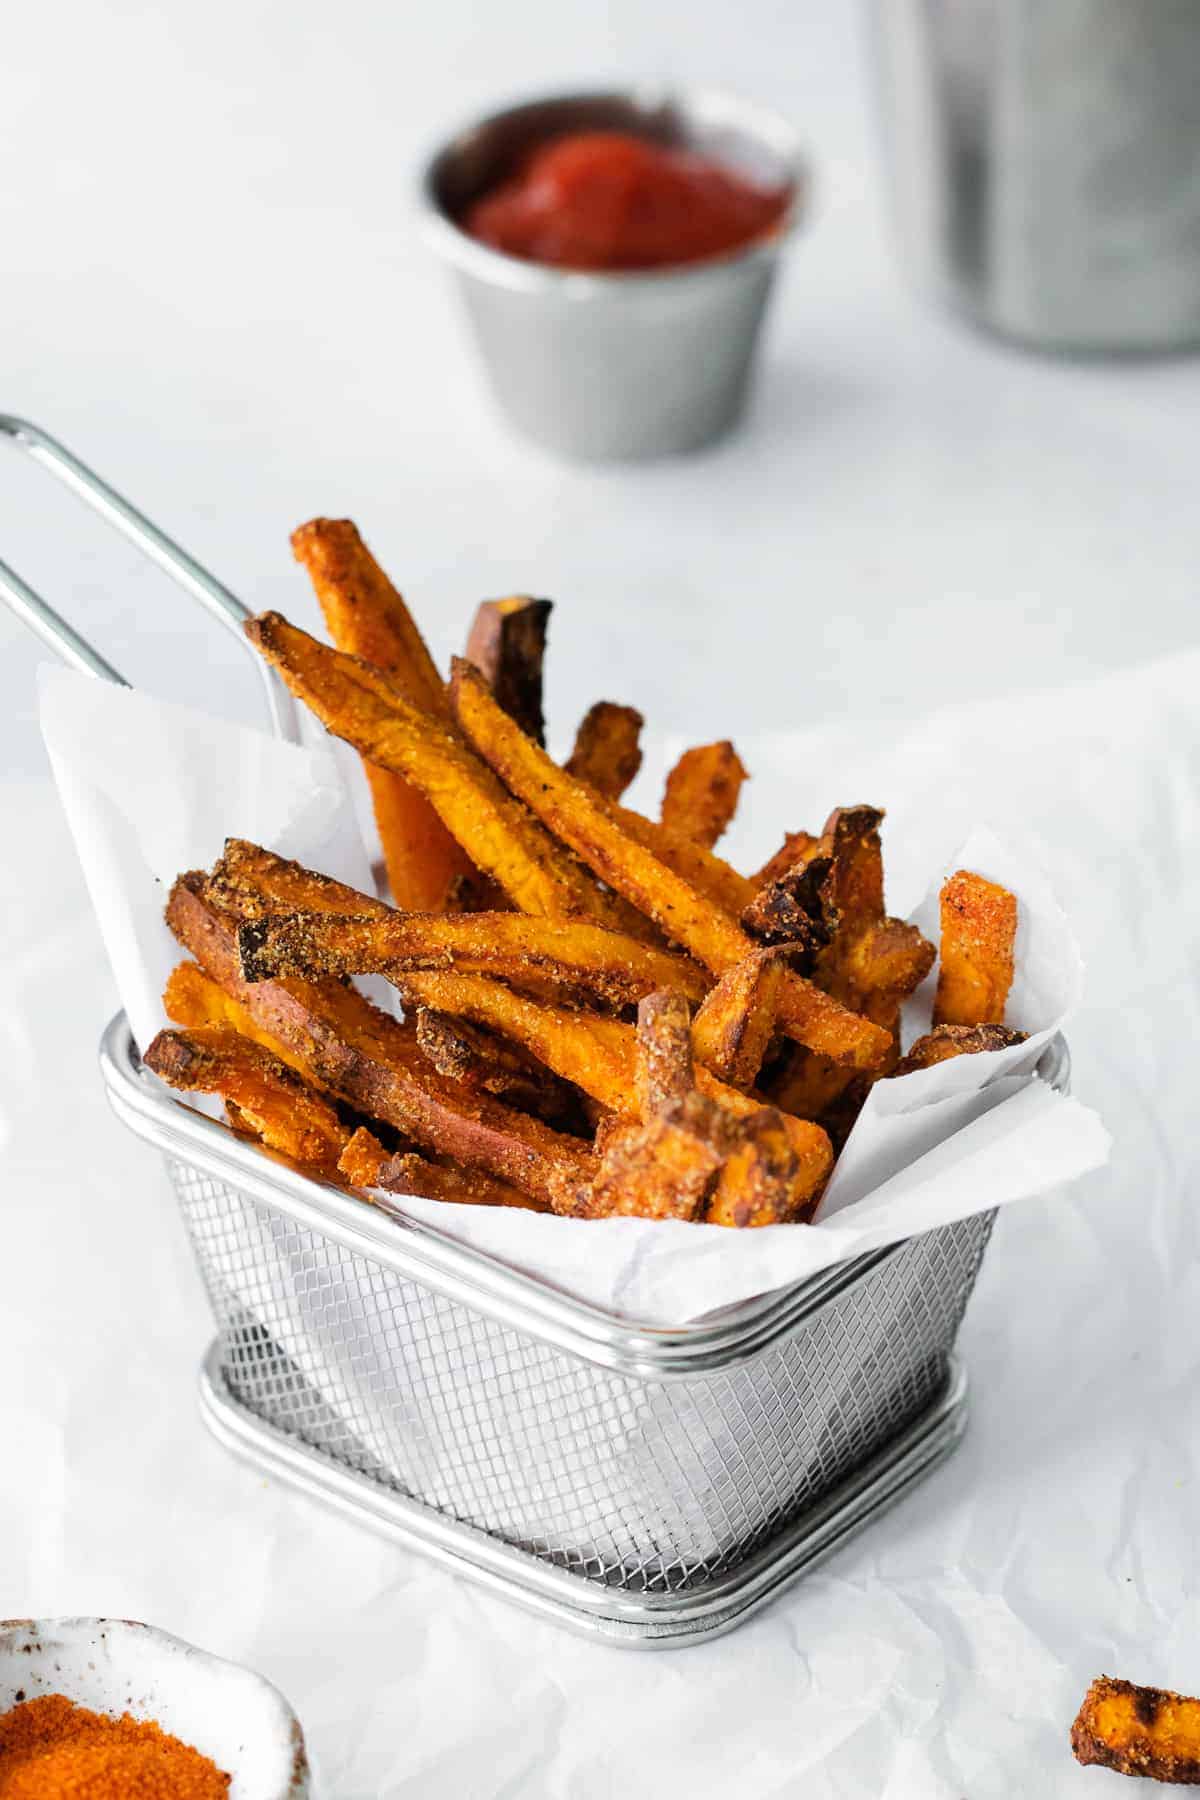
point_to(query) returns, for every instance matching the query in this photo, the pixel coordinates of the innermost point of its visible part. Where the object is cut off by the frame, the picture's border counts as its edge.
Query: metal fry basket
(648, 1486)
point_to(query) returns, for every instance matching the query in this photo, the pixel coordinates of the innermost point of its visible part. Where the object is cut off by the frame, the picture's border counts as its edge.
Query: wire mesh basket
(651, 1486)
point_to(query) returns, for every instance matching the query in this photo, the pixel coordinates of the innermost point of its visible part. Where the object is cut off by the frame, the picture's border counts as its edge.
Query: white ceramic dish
(116, 1666)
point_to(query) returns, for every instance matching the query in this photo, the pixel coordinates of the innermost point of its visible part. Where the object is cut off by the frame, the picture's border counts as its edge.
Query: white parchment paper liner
(152, 788)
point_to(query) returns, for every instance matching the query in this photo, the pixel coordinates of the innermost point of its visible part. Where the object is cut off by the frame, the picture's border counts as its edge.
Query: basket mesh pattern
(648, 1486)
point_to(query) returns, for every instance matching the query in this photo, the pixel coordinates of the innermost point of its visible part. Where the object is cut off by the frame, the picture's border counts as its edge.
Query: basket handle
(74, 649)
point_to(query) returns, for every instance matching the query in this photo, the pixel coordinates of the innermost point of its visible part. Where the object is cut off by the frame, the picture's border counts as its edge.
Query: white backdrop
(210, 287)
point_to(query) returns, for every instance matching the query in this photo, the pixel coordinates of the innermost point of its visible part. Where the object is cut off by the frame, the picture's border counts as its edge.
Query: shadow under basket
(647, 1486)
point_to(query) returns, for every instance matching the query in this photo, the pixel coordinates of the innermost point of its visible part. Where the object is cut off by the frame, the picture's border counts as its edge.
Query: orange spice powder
(51, 1749)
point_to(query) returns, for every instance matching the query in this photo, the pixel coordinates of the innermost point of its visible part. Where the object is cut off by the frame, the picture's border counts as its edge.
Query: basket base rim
(598, 1611)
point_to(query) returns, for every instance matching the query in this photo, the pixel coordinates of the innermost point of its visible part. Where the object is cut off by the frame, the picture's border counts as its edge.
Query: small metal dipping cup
(615, 365)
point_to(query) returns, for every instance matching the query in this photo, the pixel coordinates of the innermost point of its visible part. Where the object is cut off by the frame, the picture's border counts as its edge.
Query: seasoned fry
(255, 882)
(426, 868)
(692, 1159)
(664, 1070)
(889, 957)
(701, 868)
(491, 1065)
(737, 1021)
(803, 1083)
(1144, 1731)
(193, 998)
(366, 616)
(593, 1052)
(798, 908)
(946, 1041)
(608, 752)
(350, 1048)
(763, 1181)
(979, 928)
(515, 946)
(663, 1169)
(507, 644)
(606, 758)
(687, 917)
(702, 792)
(267, 1095)
(873, 971)
(686, 855)
(841, 1115)
(499, 834)
(852, 833)
(869, 962)
(797, 847)
(366, 1164)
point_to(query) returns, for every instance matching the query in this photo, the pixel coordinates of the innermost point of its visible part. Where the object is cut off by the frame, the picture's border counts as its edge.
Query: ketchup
(609, 200)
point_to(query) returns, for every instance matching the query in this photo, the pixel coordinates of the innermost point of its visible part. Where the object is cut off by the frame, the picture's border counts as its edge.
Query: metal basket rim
(623, 1619)
(421, 1253)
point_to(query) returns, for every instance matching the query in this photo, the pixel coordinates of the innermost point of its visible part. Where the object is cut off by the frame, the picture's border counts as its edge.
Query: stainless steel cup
(605, 366)
(1044, 158)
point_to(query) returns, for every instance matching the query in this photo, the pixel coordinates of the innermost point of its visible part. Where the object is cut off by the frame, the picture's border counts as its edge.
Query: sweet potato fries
(597, 1015)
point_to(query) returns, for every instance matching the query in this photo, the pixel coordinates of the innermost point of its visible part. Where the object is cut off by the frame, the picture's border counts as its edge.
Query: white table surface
(210, 287)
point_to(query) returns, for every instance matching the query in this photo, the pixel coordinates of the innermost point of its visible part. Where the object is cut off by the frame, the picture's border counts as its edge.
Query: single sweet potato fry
(945, 1041)
(738, 1105)
(507, 644)
(887, 958)
(797, 847)
(737, 1021)
(364, 1163)
(426, 868)
(354, 702)
(688, 917)
(853, 836)
(798, 908)
(662, 1169)
(258, 883)
(702, 869)
(518, 947)
(193, 998)
(594, 1053)
(1144, 1731)
(606, 758)
(763, 1180)
(664, 1071)
(348, 1047)
(608, 752)
(870, 962)
(694, 1159)
(979, 927)
(272, 1100)
(702, 792)
(803, 1083)
(367, 617)
(492, 1065)
(365, 614)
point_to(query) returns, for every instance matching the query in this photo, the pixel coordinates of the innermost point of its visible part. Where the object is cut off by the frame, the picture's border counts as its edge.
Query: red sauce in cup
(609, 200)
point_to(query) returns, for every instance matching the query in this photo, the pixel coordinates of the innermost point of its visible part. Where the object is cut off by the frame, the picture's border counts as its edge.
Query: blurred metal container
(605, 366)
(1044, 157)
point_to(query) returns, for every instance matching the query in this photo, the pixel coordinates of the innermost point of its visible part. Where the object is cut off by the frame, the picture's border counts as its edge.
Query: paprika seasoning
(51, 1749)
